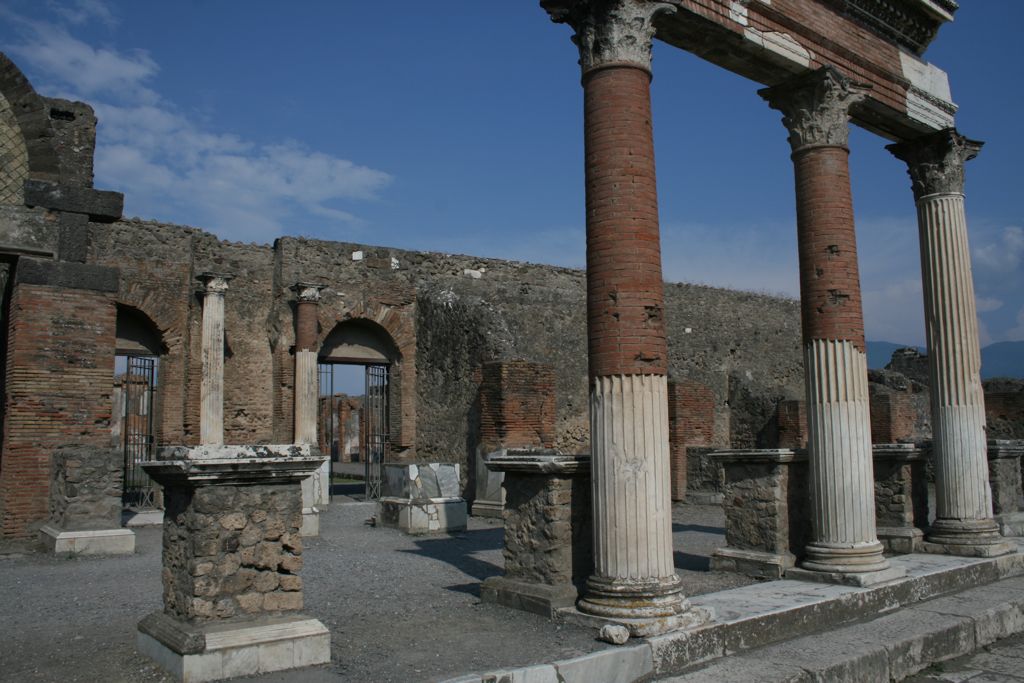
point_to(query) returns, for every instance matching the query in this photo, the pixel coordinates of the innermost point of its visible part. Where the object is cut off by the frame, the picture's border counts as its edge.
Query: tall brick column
(815, 108)
(211, 407)
(964, 523)
(634, 580)
(306, 348)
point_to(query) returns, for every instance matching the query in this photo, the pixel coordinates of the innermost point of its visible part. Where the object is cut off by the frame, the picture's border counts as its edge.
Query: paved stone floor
(399, 608)
(1002, 662)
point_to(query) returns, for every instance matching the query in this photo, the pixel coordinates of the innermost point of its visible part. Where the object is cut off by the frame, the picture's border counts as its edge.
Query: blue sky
(456, 126)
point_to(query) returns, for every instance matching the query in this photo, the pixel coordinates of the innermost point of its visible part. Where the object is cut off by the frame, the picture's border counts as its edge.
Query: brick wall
(60, 365)
(1004, 410)
(517, 405)
(691, 422)
(894, 417)
(791, 424)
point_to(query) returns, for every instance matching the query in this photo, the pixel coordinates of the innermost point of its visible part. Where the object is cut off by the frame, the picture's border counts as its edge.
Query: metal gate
(375, 427)
(138, 387)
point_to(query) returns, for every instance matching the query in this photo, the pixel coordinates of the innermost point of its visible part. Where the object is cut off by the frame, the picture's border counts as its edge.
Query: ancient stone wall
(1004, 408)
(85, 492)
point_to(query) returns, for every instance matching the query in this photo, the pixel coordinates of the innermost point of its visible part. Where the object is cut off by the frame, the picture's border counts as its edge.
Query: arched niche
(359, 341)
(137, 335)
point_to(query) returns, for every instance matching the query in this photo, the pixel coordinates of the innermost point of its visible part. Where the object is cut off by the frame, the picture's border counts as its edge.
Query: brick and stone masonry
(634, 579)
(517, 405)
(963, 505)
(60, 362)
(816, 110)
(691, 422)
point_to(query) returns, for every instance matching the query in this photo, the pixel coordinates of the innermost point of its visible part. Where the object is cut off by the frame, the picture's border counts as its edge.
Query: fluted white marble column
(964, 521)
(211, 407)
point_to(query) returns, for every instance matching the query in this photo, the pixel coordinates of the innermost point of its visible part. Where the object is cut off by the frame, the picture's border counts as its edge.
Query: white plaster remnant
(928, 98)
(688, 330)
(738, 13)
(394, 263)
(357, 256)
(781, 44)
(475, 274)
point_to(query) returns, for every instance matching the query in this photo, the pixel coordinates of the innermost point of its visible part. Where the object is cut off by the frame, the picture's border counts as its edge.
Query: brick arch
(399, 325)
(30, 111)
(173, 361)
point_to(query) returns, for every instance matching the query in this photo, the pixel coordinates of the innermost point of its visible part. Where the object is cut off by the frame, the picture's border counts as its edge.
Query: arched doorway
(354, 420)
(136, 405)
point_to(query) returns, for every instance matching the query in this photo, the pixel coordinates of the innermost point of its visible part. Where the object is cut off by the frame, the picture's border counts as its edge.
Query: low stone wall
(85, 490)
(231, 552)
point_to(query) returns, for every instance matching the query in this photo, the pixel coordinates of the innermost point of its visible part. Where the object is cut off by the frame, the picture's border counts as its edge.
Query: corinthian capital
(308, 292)
(610, 31)
(935, 162)
(816, 107)
(214, 283)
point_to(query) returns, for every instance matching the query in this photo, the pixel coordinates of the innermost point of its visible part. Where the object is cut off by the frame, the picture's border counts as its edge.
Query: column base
(644, 607)
(539, 598)
(966, 537)
(692, 618)
(218, 650)
(900, 540)
(755, 563)
(845, 559)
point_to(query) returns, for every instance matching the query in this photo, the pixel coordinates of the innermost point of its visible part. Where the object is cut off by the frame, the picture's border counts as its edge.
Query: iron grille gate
(138, 386)
(375, 432)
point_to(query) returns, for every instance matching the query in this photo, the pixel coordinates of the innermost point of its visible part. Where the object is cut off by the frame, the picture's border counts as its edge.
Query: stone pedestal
(767, 517)
(231, 561)
(548, 544)
(901, 496)
(422, 499)
(1004, 469)
(85, 503)
(490, 495)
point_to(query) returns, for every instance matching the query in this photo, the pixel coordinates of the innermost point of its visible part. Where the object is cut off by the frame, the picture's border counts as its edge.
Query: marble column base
(212, 652)
(644, 607)
(858, 558)
(966, 537)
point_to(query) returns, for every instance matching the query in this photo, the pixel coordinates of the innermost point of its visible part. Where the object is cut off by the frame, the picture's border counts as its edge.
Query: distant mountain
(1002, 359)
(880, 353)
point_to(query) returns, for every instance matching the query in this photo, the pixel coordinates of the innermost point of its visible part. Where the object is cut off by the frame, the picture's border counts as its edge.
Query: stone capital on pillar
(214, 283)
(816, 107)
(936, 161)
(308, 292)
(610, 32)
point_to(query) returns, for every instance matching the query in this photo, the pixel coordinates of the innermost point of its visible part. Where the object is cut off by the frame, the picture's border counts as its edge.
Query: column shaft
(816, 112)
(634, 578)
(306, 379)
(211, 408)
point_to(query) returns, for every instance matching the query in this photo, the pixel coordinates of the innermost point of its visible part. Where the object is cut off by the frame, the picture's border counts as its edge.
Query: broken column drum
(815, 109)
(963, 501)
(634, 580)
(211, 408)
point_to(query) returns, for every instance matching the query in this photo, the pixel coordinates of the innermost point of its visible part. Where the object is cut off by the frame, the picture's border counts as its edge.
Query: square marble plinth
(92, 542)
(210, 652)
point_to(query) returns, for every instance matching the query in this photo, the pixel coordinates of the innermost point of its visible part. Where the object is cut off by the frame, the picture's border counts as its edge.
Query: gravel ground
(400, 608)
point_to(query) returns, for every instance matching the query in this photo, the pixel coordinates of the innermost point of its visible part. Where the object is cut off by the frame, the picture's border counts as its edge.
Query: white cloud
(1016, 333)
(893, 311)
(171, 167)
(84, 11)
(1005, 254)
(987, 304)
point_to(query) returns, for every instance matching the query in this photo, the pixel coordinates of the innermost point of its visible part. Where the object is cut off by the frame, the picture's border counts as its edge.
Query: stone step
(980, 597)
